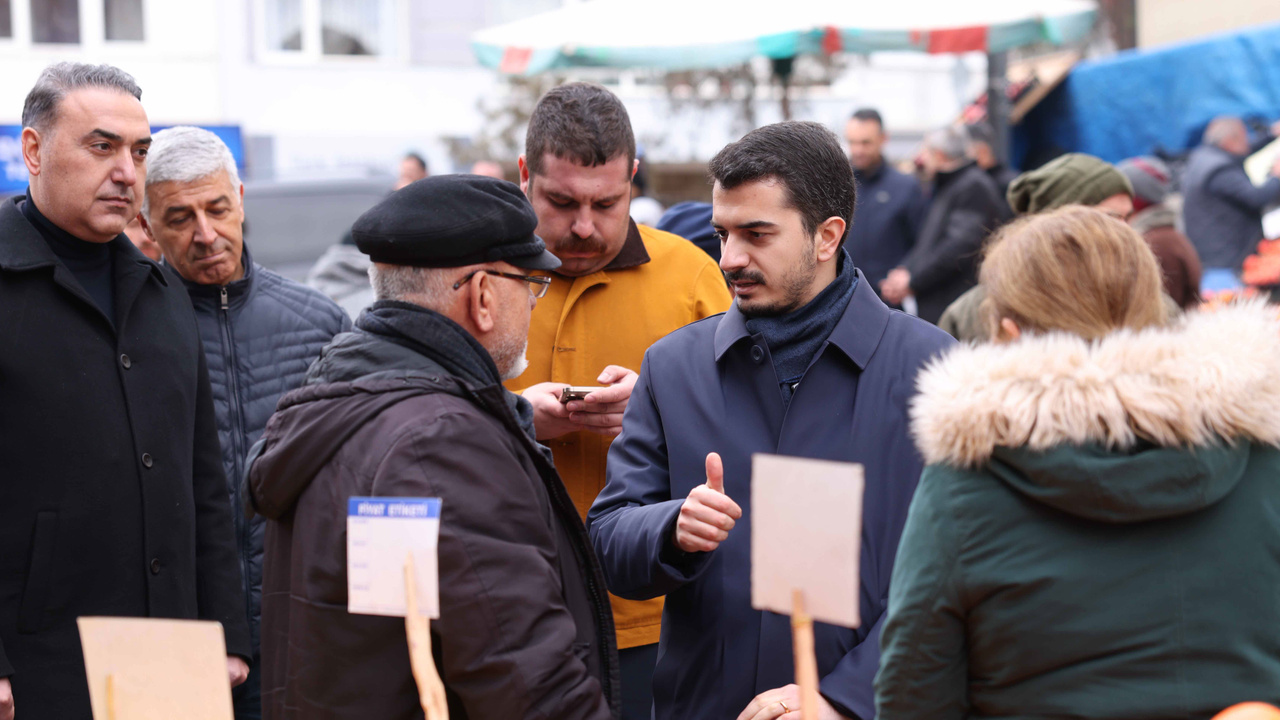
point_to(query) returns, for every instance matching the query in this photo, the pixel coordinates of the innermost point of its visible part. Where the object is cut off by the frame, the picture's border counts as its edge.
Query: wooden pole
(111, 697)
(805, 659)
(418, 630)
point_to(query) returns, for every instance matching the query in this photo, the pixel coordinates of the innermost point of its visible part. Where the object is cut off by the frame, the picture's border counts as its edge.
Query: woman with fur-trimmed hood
(1097, 533)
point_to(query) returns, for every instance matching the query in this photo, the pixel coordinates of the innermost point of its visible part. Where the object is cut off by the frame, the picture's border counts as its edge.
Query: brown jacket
(1178, 259)
(409, 405)
(657, 284)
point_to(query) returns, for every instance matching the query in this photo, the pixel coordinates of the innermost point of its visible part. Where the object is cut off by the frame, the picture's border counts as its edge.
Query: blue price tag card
(381, 534)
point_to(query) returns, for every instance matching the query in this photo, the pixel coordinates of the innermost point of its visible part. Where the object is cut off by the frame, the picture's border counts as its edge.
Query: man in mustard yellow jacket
(620, 287)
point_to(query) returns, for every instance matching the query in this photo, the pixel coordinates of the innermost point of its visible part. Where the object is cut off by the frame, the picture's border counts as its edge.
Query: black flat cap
(451, 221)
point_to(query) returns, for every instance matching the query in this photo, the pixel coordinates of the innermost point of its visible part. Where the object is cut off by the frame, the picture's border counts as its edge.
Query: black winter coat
(260, 335)
(525, 628)
(112, 496)
(966, 207)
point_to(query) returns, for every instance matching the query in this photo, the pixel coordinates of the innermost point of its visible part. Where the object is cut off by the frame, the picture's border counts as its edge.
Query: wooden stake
(418, 630)
(805, 659)
(111, 698)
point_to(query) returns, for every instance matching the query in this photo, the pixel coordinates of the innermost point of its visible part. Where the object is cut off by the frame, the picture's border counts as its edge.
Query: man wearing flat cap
(411, 404)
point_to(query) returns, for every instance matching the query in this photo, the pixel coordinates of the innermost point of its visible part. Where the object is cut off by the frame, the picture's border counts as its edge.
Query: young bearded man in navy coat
(807, 362)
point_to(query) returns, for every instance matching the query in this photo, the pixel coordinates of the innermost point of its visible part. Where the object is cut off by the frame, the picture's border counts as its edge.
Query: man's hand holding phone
(599, 410)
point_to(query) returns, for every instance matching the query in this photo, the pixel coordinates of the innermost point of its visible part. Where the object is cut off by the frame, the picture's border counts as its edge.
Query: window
(312, 29)
(6, 20)
(284, 24)
(55, 21)
(122, 19)
(350, 27)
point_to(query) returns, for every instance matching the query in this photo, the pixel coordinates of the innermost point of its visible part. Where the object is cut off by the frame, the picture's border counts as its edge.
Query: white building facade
(343, 88)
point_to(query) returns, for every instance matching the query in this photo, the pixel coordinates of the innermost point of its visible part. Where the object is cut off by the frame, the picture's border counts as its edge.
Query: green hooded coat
(1097, 534)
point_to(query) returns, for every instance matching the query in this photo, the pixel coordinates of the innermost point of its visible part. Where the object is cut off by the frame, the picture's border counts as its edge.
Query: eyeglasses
(537, 284)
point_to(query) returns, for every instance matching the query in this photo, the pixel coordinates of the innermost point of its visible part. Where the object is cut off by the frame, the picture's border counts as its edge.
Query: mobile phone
(577, 392)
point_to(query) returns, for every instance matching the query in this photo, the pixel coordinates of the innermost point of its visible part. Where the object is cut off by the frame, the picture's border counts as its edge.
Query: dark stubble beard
(794, 285)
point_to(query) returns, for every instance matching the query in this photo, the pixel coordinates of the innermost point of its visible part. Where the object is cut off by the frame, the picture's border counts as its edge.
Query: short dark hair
(869, 115)
(40, 110)
(805, 157)
(981, 132)
(421, 161)
(582, 122)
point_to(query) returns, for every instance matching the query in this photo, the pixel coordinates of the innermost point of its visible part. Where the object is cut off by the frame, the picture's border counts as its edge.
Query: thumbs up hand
(707, 515)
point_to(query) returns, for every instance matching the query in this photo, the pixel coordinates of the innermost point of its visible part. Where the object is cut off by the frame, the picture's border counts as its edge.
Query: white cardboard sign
(806, 532)
(153, 669)
(381, 532)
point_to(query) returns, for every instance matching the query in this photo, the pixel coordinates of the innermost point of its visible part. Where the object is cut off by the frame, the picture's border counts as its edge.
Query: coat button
(155, 566)
(146, 460)
(757, 353)
(126, 362)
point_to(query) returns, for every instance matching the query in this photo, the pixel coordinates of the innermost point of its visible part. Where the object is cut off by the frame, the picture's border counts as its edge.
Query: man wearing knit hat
(1157, 223)
(1072, 179)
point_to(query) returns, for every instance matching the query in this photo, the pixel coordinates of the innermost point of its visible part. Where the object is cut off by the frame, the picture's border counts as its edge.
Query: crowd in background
(1070, 504)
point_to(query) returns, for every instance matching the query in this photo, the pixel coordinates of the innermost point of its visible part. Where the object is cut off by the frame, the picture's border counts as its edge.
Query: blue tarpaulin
(1138, 101)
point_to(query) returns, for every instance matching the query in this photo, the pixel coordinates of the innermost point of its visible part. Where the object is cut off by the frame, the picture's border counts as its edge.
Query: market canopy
(705, 34)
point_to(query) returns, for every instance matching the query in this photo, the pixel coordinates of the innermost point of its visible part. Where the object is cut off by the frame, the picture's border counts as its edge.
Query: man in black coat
(411, 404)
(260, 330)
(114, 500)
(965, 209)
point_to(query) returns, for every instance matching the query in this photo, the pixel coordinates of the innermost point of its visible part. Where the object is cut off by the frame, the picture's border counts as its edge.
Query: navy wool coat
(711, 387)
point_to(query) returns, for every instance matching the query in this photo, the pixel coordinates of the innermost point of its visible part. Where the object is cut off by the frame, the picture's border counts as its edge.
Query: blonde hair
(1075, 270)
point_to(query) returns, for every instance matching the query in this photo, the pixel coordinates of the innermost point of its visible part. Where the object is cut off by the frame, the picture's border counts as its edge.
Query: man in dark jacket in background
(1221, 207)
(260, 331)
(982, 142)
(966, 207)
(891, 205)
(113, 495)
(411, 404)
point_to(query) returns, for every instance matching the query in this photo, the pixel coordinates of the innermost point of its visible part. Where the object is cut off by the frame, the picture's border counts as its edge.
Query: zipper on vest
(237, 431)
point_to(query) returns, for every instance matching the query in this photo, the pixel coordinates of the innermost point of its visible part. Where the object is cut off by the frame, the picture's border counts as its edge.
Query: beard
(792, 286)
(511, 356)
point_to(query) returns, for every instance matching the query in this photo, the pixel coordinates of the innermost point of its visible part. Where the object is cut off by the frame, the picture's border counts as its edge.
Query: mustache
(123, 191)
(573, 244)
(745, 275)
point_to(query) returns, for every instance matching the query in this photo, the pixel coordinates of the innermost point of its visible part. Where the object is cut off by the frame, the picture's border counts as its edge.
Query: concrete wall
(1167, 21)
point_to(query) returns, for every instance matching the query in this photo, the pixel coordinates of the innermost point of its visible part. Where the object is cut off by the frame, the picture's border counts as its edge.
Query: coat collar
(871, 175)
(633, 252)
(1213, 376)
(857, 334)
(23, 248)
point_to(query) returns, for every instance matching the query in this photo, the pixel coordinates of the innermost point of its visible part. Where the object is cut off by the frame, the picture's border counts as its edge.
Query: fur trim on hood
(1210, 376)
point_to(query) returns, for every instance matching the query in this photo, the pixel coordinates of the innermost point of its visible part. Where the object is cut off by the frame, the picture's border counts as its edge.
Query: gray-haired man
(112, 499)
(260, 330)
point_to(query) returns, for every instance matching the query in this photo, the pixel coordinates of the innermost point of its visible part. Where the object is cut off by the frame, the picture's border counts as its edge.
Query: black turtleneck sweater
(90, 262)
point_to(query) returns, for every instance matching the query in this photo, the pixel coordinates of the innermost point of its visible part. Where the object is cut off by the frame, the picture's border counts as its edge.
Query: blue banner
(13, 172)
(383, 507)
